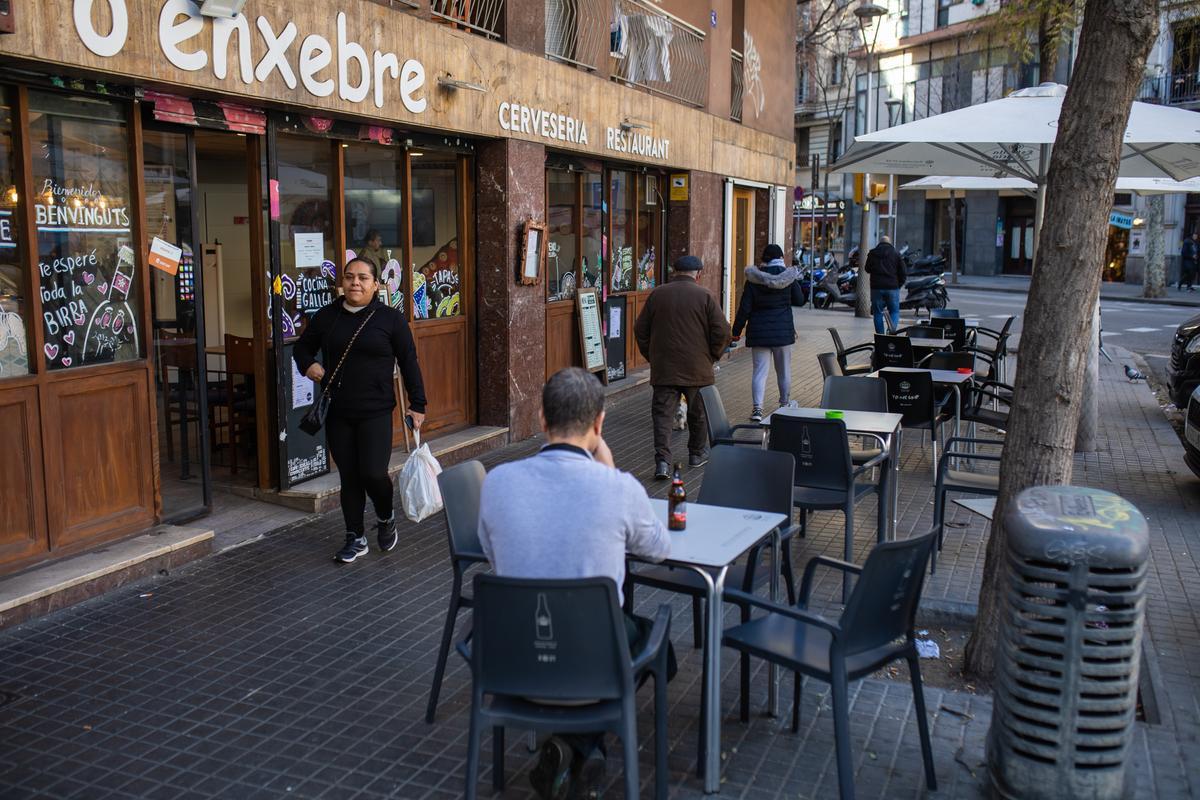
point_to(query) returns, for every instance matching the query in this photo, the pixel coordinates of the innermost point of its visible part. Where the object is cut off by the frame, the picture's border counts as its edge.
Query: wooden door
(743, 240)
(22, 490)
(562, 337)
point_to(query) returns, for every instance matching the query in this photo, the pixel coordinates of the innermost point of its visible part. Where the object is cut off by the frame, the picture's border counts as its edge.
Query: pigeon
(1133, 374)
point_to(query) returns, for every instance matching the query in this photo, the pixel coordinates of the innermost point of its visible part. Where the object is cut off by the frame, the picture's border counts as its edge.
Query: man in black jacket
(1187, 261)
(886, 268)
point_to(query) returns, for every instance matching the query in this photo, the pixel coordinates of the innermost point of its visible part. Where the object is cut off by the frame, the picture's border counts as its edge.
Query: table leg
(894, 448)
(714, 586)
(957, 418)
(772, 670)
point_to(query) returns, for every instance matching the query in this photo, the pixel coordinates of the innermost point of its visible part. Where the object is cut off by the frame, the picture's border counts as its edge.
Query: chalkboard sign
(591, 330)
(618, 332)
(305, 456)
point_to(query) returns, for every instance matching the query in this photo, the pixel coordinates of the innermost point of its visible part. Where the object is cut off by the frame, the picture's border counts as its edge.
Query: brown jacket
(682, 332)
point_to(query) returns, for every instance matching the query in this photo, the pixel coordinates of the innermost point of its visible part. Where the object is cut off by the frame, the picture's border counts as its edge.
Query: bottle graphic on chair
(543, 625)
(805, 444)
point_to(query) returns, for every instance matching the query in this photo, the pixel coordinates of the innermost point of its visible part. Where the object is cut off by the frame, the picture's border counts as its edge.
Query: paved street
(266, 671)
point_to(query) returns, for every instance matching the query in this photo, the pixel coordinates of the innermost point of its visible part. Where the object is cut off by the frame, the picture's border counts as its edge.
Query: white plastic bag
(418, 484)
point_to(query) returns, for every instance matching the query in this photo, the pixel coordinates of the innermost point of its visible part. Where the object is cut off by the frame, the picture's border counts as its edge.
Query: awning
(217, 115)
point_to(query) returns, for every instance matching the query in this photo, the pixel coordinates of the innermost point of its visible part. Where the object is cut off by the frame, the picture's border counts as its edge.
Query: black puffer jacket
(767, 299)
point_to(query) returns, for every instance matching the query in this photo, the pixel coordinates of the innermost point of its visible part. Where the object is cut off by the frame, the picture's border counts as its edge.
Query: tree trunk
(1047, 49)
(1113, 45)
(1154, 283)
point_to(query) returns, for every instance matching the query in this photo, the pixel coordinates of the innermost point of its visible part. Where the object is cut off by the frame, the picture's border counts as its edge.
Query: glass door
(185, 394)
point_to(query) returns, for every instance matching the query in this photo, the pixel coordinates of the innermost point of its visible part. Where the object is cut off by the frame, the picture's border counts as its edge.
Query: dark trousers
(361, 448)
(663, 404)
(1187, 273)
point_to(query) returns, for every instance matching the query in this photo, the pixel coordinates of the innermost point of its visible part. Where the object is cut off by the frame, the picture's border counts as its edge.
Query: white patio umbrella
(1142, 186)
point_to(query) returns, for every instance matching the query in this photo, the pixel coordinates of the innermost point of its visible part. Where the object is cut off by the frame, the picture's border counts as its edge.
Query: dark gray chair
(856, 393)
(461, 486)
(719, 429)
(954, 329)
(949, 360)
(994, 358)
(912, 394)
(876, 629)
(986, 484)
(553, 656)
(943, 313)
(826, 478)
(843, 354)
(829, 364)
(892, 351)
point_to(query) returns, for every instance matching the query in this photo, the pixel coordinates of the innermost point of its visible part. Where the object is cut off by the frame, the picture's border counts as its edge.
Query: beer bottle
(677, 503)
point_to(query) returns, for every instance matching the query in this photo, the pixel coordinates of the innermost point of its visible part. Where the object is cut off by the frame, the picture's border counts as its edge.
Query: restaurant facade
(178, 193)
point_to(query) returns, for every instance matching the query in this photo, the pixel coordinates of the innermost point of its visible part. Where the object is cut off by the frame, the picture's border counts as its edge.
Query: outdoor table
(880, 425)
(714, 538)
(983, 506)
(923, 347)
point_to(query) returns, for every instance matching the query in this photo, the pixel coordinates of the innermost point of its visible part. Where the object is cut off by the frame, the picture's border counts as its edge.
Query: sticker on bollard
(1070, 644)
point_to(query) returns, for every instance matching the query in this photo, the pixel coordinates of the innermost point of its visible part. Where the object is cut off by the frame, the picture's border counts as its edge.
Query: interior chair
(177, 351)
(239, 393)
(826, 478)
(843, 354)
(719, 429)
(875, 629)
(461, 486)
(960, 481)
(913, 395)
(892, 351)
(553, 656)
(829, 364)
(856, 393)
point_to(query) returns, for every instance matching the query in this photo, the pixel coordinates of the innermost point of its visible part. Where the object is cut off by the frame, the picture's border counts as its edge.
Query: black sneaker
(387, 534)
(662, 470)
(551, 778)
(757, 414)
(355, 546)
(697, 459)
(589, 775)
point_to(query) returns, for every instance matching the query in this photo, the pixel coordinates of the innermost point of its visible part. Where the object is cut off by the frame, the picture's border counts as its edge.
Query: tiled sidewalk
(266, 671)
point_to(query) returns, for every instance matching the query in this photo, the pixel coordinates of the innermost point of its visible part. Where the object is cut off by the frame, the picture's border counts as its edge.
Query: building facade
(182, 191)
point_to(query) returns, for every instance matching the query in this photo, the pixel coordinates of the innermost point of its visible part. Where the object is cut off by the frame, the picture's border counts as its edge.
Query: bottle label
(679, 512)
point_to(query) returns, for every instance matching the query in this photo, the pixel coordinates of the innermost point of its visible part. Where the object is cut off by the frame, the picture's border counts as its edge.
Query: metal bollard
(1070, 644)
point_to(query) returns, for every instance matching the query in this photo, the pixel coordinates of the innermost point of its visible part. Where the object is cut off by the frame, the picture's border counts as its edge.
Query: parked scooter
(917, 265)
(927, 293)
(837, 287)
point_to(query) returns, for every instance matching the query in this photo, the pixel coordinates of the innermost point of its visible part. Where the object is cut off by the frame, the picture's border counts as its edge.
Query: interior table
(714, 538)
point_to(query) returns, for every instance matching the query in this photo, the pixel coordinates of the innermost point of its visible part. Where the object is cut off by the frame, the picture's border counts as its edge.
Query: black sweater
(364, 383)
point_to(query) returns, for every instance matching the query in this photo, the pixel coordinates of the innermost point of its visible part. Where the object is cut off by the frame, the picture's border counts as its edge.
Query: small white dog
(681, 415)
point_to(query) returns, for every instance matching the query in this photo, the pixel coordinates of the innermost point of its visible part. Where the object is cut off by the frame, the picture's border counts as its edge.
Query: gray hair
(885, 238)
(571, 401)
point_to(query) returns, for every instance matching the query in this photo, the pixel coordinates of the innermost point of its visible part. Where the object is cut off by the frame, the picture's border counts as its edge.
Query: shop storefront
(177, 199)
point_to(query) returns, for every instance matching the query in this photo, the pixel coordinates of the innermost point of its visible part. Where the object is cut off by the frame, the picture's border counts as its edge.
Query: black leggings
(361, 448)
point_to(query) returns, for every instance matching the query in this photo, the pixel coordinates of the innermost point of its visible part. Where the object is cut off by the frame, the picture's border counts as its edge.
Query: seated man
(525, 532)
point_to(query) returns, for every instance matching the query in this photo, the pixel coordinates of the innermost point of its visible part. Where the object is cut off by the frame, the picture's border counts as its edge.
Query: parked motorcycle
(918, 265)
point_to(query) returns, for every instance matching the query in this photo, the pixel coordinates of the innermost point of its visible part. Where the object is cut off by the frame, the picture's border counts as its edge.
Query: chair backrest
(239, 355)
(1002, 339)
(748, 477)
(883, 605)
(854, 393)
(910, 394)
(461, 487)
(177, 350)
(943, 359)
(837, 343)
(829, 364)
(714, 414)
(943, 313)
(892, 351)
(820, 447)
(925, 330)
(561, 640)
(953, 328)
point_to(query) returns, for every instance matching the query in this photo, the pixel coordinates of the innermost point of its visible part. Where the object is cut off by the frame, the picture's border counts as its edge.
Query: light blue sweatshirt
(562, 514)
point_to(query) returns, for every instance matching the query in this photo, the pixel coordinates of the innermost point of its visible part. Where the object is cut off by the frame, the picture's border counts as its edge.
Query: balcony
(658, 51)
(484, 17)
(736, 75)
(575, 31)
(1171, 90)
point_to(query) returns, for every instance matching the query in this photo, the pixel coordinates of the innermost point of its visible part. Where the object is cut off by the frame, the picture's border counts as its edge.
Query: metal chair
(876, 629)
(856, 393)
(892, 351)
(826, 478)
(955, 480)
(843, 353)
(994, 358)
(461, 486)
(943, 313)
(553, 656)
(953, 328)
(949, 360)
(719, 429)
(829, 364)
(912, 394)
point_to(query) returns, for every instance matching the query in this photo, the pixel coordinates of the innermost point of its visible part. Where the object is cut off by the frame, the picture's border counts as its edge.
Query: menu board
(591, 332)
(305, 456)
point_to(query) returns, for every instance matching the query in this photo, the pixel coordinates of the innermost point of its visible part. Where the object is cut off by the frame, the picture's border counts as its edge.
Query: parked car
(1183, 373)
(1191, 433)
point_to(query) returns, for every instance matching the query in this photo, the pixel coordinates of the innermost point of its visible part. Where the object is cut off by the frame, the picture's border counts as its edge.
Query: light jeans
(783, 372)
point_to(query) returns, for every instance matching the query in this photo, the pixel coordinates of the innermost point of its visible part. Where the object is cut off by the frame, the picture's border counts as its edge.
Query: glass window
(621, 204)
(593, 229)
(562, 221)
(649, 239)
(91, 300)
(374, 212)
(307, 270)
(14, 353)
(437, 273)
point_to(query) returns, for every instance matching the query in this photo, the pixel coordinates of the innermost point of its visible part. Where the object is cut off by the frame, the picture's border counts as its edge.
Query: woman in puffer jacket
(767, 299)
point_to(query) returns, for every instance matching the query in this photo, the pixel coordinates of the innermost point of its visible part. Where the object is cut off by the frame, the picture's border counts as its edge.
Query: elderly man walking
(682, 333)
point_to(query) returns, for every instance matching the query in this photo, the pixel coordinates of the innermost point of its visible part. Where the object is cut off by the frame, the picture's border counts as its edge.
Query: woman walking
(767, 299)
(366, 337)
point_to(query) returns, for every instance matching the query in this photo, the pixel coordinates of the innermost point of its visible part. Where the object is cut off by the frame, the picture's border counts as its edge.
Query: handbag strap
(346, 352)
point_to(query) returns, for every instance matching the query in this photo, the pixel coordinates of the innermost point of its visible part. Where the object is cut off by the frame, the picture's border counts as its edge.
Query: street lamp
(868, 15)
